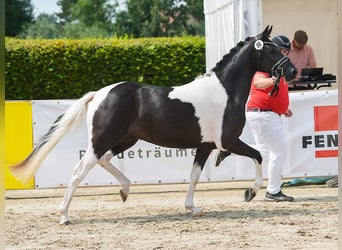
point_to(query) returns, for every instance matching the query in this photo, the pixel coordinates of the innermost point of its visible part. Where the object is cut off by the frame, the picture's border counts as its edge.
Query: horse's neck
(237, 74)
(237, 82)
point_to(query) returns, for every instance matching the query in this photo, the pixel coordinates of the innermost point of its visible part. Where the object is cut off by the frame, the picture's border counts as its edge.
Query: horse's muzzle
(284, 67)
(292, 72)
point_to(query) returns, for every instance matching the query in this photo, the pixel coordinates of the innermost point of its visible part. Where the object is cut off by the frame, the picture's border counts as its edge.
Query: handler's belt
(258, 110)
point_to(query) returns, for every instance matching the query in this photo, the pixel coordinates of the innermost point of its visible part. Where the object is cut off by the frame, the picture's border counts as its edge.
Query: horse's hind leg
(200, 159)
(79, 172)
(121, 145)
(125, 183)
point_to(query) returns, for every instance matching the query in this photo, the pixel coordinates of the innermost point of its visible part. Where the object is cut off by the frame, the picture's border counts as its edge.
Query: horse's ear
(268, 30)
(266, 33)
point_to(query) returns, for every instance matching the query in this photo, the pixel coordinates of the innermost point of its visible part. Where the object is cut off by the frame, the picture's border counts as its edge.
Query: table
(307, 85)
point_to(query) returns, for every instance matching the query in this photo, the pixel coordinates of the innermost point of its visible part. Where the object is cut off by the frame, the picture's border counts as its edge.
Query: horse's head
(270, 59)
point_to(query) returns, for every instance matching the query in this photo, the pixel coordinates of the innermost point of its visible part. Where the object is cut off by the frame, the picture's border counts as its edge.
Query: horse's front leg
(241, 148)
(125, 183)
(200, 159)
(78, 174)
(250, 193)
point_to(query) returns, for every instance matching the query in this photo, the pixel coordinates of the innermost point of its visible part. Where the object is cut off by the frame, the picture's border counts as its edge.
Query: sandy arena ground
(154, 217)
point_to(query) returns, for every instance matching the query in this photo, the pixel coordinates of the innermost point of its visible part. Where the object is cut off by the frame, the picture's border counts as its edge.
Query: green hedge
(63, 69)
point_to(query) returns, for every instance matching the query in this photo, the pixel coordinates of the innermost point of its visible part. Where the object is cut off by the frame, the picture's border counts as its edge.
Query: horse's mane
(227, 57)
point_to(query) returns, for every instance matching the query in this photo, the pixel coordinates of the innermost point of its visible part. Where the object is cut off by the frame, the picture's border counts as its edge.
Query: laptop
(311, 73)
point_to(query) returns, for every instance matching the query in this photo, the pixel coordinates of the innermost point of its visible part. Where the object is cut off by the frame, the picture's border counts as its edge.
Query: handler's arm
(263, 82)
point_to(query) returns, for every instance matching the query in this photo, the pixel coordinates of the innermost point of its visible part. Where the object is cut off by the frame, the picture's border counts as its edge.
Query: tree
(196, 12)
(160, 18)
(18, 15)
(65, 14)
(85, 18)
(45, 26)
(90, 12)
(103, 18)
(80, 30)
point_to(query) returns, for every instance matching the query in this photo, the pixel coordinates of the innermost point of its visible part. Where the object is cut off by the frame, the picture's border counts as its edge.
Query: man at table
(301, 54)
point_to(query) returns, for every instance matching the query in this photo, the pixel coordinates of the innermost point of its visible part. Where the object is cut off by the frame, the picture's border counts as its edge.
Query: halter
(277, 69)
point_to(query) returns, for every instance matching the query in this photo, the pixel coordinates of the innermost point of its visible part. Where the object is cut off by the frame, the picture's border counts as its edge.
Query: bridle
(277, 69)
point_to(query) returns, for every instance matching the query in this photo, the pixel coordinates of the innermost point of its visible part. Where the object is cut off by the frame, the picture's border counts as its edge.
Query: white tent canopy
(226, 23)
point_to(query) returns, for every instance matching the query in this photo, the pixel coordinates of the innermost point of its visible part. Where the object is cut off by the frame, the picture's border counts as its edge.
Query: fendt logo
(325, 138)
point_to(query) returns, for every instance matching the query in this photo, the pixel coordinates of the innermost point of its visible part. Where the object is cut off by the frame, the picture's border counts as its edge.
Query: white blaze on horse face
(209, 98)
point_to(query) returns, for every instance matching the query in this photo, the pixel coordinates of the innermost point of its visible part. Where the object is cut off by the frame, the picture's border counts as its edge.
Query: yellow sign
(18, 139)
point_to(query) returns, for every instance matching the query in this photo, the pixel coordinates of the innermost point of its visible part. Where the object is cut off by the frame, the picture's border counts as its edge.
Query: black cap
(282, 42)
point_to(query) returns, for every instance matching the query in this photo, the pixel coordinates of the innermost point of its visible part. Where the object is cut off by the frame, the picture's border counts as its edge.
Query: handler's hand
(288, 113)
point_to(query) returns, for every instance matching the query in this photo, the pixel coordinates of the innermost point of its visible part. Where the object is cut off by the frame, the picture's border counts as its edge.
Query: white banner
(311, 133)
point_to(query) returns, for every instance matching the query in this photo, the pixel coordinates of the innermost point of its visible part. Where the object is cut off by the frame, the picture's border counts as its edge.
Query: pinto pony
(207, 113)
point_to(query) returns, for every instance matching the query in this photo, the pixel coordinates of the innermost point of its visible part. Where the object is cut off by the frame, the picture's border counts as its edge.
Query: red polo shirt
(260, 98)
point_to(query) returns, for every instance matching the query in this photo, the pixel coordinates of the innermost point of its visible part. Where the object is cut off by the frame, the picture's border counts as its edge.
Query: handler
(263, 117)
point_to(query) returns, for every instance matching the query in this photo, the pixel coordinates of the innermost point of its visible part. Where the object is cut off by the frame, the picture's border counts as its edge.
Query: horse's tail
(25, 170)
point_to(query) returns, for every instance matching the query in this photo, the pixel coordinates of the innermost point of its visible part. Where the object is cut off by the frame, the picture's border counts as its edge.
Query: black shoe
(278, 197)
(221, 155)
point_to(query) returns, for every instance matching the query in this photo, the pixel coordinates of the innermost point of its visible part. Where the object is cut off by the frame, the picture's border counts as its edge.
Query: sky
(45, 6)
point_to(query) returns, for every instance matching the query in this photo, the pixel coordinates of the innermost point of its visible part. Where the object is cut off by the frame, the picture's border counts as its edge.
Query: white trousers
(269, 136)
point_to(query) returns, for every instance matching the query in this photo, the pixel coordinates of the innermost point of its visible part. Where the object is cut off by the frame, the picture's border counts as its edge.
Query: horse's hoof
(65, 223)
(123, 196)
(249, 194)
(198, 214)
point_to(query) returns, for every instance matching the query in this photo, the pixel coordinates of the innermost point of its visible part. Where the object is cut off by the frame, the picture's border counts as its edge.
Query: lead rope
(275, 90)
(278, 72)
